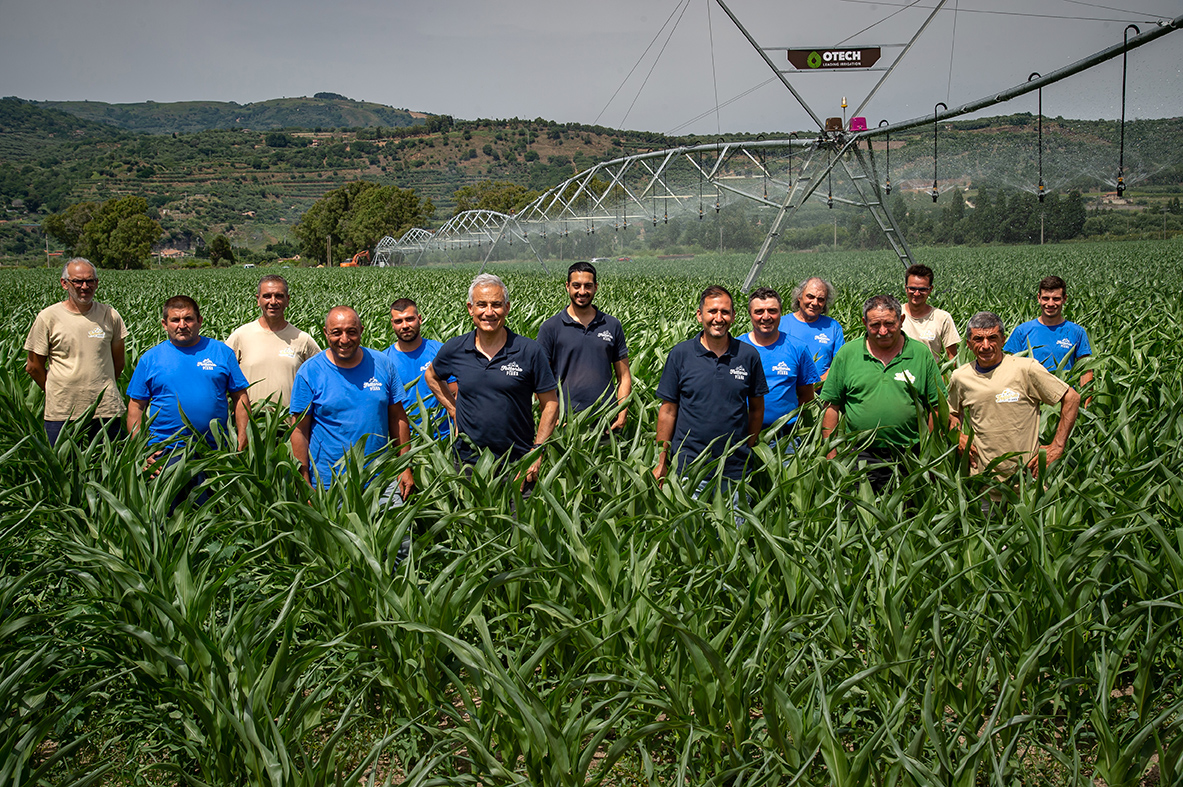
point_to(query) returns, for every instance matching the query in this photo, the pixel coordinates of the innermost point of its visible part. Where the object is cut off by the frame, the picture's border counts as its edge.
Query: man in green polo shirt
(881, 383)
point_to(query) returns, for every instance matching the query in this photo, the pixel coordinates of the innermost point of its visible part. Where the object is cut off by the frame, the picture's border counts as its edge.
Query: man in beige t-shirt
(999, 396)
(928, 324)
(76, 353)
(270, 349)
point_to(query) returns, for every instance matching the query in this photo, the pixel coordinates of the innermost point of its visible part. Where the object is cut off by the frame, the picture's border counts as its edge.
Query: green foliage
(220, 250)
(114, 234)
(356, 216)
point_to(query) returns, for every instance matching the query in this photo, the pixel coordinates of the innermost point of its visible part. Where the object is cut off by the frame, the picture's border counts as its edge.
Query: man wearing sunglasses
(76, 353)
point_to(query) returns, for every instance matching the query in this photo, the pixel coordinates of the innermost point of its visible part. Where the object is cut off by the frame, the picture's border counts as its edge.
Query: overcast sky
(571, 61)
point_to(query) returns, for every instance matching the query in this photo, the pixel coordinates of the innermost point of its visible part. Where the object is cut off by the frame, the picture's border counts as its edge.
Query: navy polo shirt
(494, 403)
(582, 357)
(712, 394)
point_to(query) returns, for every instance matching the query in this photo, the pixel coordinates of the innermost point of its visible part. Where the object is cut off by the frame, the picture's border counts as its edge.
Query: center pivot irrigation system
(782, 174)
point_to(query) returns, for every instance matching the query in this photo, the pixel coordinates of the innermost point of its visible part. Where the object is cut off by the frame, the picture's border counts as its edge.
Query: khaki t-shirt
(1003, 408)
(270, 359)
(79, 365)
(936, 330)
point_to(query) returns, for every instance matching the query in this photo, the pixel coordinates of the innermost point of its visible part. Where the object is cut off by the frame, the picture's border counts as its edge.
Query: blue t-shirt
(1050, 345)
(786, 365)
(583, 357)
(411, 367)
(822, 337)
(494, 403)
(191, 380)
(347, 406)
(712, 394)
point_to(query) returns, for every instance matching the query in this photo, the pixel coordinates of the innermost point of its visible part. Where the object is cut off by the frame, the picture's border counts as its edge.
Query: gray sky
(564, 60)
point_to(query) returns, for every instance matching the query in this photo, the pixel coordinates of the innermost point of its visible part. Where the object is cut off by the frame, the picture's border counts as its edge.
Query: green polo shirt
(873, 396)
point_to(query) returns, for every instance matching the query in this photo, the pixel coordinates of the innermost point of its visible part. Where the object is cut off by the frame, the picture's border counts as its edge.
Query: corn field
(605, 630)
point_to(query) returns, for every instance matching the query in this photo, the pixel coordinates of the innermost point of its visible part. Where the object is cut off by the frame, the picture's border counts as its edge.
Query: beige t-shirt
(270, 359)
(1002, 406)
(79, 366)
(936, 330)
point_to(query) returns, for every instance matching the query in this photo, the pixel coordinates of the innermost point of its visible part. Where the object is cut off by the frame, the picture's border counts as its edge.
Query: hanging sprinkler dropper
(935, 192)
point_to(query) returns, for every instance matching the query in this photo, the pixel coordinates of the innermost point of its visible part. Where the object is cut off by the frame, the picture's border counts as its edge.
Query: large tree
(357, 216)
(115, 234)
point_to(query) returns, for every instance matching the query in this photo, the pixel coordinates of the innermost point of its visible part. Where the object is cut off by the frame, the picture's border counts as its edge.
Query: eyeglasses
(918, 290)
(83, 282)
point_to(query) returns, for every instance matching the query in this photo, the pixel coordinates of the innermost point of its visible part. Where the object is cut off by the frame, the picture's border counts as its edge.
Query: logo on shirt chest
(739, 373)
(905, 376)
(927, 334)
(96, 333)
(822, 338)
(207, 364)
(372, 384)
(287, 352)
(511, 369)
(423, 368)
(605, 335)
(1006, 396)
(783, 369)
(1064, 344)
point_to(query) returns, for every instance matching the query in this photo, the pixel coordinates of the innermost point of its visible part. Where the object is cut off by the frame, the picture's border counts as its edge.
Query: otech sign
(809, 59)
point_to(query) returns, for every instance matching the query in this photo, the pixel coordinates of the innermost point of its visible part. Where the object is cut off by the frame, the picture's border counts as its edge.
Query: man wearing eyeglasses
(927, 324)
(76, 353)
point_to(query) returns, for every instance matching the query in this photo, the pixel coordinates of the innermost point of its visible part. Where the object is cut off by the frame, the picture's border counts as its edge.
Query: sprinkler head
(829, 202)
(888, 186)
(1120, 186)
(934, 193)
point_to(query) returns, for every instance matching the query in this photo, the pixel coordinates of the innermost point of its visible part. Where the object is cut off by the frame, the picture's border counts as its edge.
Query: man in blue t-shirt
(346, 395)
(586, 348)
(788, 368)
(810, 326)
(712, 391)
(1053, 341)
(498, 374)
(410, 354)
(187, 377)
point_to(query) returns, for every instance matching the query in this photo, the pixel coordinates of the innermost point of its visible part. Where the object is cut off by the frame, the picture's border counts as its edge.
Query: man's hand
(662, 470)
(406, 484)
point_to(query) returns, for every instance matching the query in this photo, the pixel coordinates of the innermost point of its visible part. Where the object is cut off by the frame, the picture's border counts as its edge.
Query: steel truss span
(653, 187)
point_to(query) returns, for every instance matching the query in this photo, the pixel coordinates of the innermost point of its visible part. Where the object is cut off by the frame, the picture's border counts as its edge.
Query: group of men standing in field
(718, 392)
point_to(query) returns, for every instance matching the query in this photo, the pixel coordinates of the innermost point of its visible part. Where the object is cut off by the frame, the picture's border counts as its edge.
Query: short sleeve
(546, 339)
(442, 363)
(759, 382)
(951, 335)
(1016, 342)
(398, 394)
(621, 344)
(1083, 349)
(806, 369)
(238, 381)
(38, 339)
(301, 398)
(670, 385)
(119, 328)
(834, 389)
(138, 386)
(308, 348)
(544, 378)
(1049, 388)
(955, 396)
(839, 338)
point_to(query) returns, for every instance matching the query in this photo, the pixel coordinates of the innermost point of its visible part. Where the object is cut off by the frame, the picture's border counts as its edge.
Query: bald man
(344, 396)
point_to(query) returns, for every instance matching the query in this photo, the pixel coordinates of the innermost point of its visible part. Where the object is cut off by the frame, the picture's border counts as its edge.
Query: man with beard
(712, 391)
(809, 324)
(586, 347)
(410, 354)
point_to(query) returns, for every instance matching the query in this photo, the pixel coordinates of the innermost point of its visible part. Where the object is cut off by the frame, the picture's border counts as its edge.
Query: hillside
(254, 184)
(324, 110)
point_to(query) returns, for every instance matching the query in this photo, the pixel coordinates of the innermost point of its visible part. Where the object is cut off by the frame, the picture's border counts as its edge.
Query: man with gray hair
(498, 373)
(880, 384)
(270, 349)
(998, 396)
(75, 353)
(809, 325)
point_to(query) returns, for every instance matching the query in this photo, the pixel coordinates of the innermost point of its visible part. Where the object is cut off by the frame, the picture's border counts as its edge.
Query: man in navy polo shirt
(585, 347)
(788, 367)
(712, 392)
(498, 373)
